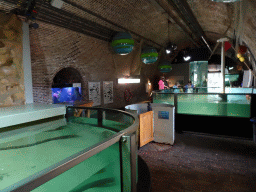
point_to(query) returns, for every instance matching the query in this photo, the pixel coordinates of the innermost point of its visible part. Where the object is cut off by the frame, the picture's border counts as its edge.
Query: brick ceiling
(159, 21)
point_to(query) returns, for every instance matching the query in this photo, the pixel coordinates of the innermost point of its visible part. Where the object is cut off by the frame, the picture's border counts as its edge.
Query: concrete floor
(198, 162)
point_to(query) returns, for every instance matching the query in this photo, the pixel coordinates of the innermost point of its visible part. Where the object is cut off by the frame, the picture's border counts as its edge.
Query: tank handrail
(79, 157)
(206, 93)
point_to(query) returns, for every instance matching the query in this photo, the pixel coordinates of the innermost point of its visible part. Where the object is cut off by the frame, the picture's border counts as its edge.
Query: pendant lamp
(165, 66)
(122, 43)
(149, 55)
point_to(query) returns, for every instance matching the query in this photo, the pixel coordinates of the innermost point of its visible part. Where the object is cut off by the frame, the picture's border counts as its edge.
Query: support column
(27, 64)
(223, 40)
(223, 66)
(223, 106)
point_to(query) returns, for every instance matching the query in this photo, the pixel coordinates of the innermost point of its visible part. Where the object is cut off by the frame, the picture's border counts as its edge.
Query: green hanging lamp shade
(165, 67)
(226, 1)
(149, 55)
(122, 43)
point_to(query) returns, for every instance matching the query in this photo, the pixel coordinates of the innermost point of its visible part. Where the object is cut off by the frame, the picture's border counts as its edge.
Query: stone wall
(11, 67)
(54, 48)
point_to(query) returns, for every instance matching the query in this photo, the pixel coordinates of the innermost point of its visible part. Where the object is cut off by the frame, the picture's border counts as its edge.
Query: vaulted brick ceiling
(158, 21)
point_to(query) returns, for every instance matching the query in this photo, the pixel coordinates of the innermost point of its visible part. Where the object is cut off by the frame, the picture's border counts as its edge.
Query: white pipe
(207, 44)
(223, 66)
(27, 64)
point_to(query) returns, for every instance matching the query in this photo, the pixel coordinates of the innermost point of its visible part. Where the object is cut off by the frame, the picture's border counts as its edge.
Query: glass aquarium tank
(198, 72)
(92, 151)
(236, 102)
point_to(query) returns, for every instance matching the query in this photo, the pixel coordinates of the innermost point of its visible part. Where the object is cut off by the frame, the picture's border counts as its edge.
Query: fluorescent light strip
(123, 81)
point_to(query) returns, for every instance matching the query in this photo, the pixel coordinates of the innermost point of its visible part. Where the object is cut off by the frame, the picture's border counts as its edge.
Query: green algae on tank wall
(38, 152)
(103, 176)
(163, 98)
(211, 105)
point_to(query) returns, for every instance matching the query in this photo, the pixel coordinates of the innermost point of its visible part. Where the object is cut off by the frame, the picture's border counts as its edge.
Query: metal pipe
(185, 12)
(63, 20)
(206, 44)
(186, 16)
(101, 32)
(61, 14)
(217, 44)
(187, 33)
(108, 21)
(223, 66)
(75, 29)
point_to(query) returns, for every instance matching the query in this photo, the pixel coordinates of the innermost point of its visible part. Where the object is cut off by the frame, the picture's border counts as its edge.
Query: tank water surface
(214, 105)
(27, 157)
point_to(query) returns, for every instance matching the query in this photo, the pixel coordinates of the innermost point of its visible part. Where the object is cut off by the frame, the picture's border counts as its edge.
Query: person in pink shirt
(161, 84)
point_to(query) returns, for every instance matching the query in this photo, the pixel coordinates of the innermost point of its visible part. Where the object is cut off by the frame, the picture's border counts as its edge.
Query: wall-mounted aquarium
(66, 94)
(43, 151)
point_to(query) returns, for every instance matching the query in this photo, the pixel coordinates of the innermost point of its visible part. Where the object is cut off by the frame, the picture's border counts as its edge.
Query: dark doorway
(66, 77)
(156, 78)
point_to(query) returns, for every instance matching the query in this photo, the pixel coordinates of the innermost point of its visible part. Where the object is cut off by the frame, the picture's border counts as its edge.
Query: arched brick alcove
(69, 75)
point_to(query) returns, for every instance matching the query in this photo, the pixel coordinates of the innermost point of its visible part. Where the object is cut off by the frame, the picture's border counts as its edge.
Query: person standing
(189, 87)
(161, 84)
(176, 87)
(166, 86)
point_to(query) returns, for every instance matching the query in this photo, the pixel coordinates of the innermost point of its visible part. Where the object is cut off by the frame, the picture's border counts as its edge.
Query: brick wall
(54, 48)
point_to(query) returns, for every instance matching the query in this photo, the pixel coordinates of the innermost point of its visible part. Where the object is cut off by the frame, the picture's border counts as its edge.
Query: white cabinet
(163, 122)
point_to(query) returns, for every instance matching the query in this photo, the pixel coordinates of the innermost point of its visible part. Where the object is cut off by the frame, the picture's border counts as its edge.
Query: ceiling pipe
(206, 43)
(160, 7)
(68, 19)
(185, 12)
(61, 18)
(47, 20)
(54, 22)
(73, 17)
(106, 20)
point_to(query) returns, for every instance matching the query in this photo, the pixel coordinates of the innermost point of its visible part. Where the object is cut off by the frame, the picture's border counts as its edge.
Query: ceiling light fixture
(226, 1)
(186, 55)
(187, 58)
(170, 48)
(128, 80)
